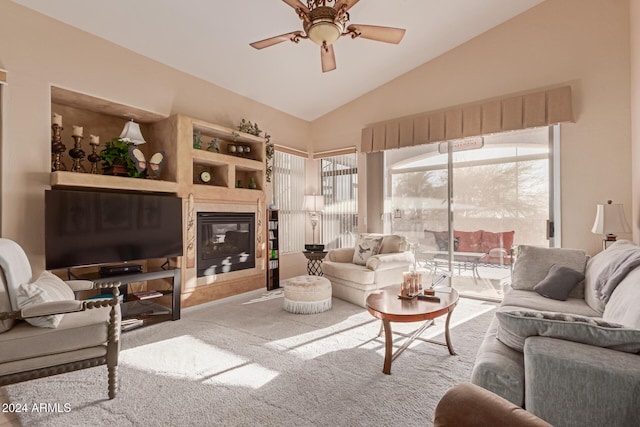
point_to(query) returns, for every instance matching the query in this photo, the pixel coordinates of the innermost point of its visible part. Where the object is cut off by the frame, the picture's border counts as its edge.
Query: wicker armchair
(88, 334)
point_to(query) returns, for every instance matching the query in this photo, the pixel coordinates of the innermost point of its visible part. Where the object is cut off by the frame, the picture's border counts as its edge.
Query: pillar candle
(77, 130)
(57, 119)
(94, 140)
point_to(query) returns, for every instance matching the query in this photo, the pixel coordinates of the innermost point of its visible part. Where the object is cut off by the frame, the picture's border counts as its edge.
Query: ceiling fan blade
(348, 3)
(297, 4)
(327, 58)
(275, 40)
(373, 32)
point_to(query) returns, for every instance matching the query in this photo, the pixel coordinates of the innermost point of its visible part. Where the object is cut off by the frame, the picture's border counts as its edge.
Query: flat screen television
(97, 227)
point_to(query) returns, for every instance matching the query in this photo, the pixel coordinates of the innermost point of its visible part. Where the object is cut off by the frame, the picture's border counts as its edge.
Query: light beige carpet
(246, 362)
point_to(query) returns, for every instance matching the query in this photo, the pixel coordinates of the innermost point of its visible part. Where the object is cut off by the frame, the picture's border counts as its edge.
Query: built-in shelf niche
(105, 119)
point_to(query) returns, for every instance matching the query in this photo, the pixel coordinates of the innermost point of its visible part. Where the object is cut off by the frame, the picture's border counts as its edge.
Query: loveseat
(382, 267)
(565, 341)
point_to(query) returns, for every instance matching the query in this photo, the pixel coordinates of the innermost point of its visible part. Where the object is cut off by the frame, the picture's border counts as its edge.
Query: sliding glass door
(466, 204)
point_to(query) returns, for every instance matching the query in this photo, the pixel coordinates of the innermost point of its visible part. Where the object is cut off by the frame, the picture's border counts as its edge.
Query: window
(288, 192)
(340, 191)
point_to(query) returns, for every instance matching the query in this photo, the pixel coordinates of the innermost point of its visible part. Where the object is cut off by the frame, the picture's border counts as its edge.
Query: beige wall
(582, 43)
(38, 52)
(635, 116)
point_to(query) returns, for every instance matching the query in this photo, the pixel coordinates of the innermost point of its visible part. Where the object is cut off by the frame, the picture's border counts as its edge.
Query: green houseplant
(253, 129)
(116, 161)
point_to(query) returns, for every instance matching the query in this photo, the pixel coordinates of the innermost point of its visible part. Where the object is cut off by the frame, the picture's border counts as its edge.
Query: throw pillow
(515, 326)
(469, 241)
(365, 248)
(533, 264)
(497, 240)
(559, 282)
(48, 287)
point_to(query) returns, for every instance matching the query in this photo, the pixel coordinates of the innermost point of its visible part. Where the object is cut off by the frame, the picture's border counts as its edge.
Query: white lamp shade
(610, 219)
(313, 203)
(131, 133)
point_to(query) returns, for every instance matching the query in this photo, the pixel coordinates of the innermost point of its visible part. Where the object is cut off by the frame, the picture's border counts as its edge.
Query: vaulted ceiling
(210, 39)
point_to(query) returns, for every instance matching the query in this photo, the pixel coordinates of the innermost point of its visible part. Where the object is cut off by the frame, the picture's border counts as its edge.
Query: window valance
(333, 153)
(511, 113)
(289, 150)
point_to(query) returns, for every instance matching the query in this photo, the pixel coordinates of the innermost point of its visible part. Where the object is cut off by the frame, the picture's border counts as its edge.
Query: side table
(314, 262)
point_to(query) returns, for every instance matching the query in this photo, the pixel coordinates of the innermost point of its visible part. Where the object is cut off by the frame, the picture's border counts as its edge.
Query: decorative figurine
(94, 157)
(77, 153)
(214, 145)
(57, 147)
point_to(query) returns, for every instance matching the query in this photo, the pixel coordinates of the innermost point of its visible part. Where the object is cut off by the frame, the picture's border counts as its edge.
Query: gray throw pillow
(515, 326)
(559, 282)
(533, 263)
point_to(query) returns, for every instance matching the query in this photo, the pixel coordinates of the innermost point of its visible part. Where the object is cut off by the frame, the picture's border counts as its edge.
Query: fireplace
(225, 242)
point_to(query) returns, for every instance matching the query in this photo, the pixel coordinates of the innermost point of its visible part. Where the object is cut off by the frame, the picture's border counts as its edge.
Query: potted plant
(253, 129)
(116, 161)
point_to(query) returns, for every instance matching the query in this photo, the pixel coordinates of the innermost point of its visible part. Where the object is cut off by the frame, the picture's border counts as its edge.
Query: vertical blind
(340, 191)
(288, 192)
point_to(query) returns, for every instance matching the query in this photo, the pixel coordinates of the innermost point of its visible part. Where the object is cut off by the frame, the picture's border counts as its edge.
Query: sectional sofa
(565, 342)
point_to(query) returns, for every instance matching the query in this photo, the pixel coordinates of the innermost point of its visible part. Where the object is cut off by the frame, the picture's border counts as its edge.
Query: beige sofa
(353, 283)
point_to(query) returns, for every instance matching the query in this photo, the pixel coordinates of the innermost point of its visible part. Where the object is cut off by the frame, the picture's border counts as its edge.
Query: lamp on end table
(313, 204)
(610, 221)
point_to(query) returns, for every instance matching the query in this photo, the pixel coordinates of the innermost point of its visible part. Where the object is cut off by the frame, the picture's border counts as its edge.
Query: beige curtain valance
(332, 153)
(288, 150)
(516, 112)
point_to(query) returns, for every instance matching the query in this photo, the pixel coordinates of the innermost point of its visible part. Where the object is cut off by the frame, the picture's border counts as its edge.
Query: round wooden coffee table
(385, 305)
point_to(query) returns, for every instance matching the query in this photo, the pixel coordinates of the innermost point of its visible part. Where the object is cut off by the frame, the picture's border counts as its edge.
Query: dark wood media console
(133, 308)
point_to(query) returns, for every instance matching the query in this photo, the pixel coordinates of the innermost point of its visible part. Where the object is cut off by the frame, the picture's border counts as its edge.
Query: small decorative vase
(252, 183)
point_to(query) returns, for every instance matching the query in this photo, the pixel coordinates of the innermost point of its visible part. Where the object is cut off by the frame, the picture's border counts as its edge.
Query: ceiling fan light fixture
(324, 32)
(324, 24)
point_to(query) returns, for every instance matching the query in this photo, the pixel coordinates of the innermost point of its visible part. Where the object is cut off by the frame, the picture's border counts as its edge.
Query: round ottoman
(307, 295)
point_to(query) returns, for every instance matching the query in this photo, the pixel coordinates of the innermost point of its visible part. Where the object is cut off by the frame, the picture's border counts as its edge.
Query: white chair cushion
(48, 287)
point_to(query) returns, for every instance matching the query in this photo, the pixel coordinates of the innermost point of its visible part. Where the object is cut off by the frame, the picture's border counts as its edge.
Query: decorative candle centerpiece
(57, 147)
(411, 283)
(94, 157)
(77, 153)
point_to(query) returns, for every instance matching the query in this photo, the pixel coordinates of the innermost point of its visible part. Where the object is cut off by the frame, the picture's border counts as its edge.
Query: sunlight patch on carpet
(187, 357)
(252, 376)
(278, 293)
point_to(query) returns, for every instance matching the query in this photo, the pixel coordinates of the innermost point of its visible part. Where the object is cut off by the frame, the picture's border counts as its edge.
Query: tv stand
(129, 298)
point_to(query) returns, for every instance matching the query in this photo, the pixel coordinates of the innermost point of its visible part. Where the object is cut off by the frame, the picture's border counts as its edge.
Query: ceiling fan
(324, 24)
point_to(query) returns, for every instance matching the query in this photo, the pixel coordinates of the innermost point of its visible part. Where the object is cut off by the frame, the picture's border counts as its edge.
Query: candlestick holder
(94, 157)
(77, 153)
(57, 148)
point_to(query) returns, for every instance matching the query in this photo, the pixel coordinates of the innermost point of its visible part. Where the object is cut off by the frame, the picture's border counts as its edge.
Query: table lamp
(610, 221)
(313, 204)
